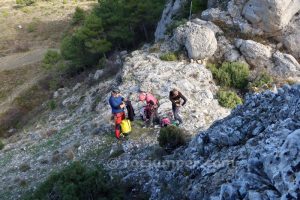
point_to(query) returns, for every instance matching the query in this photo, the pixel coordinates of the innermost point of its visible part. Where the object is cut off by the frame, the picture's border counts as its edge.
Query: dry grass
(234, 32)
(23, 108)
(11, 79)
(40, 24)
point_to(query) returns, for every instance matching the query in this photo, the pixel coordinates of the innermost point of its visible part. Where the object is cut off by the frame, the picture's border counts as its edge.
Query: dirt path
(21, 59)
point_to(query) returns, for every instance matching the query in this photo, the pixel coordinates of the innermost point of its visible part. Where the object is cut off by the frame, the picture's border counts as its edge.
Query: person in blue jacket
(117, 104)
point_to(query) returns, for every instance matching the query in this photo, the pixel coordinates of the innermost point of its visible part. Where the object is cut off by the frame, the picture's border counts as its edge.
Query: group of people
(119, 103)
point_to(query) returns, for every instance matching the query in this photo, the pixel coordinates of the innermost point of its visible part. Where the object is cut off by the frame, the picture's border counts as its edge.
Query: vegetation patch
(1, 145)
(51, 58)
(25, 2)
(233, 74)
(112, 25)
(169, 56)
(79, 182)
(52, 104)
(228, 99)
(24, 167)
(78, 17)
(33, 26)
(261, 80)
(171, 137)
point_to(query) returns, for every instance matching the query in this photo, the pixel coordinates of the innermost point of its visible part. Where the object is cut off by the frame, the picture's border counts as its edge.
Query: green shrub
(171, 137)
(52, 105)
(224, 78)
(239, 73)
(233, 74)
(78, 182)
(213, 68)
(50, 59)
(25, 2)
(228, 99)
(24, 167)
(262, 79)
(32, 26)
(78, 16)
(169, 57)
(86, 46)
(1, 145)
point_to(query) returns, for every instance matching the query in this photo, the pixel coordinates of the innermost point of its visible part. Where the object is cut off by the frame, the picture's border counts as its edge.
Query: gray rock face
(252, 154)
(255, 53)
(257, 17)
(262, 57)
(199, 41)
(291, 42)
(271, 16)
(285, 64)
(97, 74)
(227, 51)
(146, 72)
(172, 7)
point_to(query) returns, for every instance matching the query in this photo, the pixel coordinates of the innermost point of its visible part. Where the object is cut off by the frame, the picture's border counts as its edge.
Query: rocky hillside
(241, 31)
(250, 153)
(81, 129)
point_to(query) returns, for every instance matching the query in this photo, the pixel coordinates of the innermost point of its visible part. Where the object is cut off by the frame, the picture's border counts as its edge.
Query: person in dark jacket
(175, 97)
(129, 107)
(117, 107)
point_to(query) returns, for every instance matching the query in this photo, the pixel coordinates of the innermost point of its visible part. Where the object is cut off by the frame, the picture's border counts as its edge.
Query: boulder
(256, 54)
(291, 42)
(271, 16)
(98, 74)
(199, 41)
(226, 51)
(285, 65)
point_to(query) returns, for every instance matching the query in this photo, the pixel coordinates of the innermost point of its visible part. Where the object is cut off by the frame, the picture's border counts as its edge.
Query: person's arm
(184, 99)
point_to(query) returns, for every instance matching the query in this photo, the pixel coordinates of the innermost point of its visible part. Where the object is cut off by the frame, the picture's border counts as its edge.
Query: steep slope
(254, 153)
(80, 129)
(144, 71)
(251, 154)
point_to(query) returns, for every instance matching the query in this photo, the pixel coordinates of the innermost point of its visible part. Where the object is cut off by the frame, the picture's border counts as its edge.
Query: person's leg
(174, 110)
(118, 119)
(157, 120)
(151, 118)
(118, 130)
(176, 115)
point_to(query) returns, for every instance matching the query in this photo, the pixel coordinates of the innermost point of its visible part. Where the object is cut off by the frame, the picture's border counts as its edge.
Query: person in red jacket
(117, 107)
(175, 97)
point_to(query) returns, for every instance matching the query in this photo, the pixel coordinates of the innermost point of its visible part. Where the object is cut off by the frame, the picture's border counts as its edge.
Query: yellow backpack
(125, 126)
